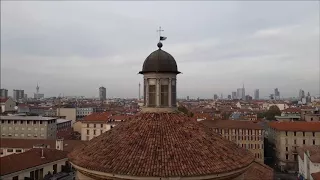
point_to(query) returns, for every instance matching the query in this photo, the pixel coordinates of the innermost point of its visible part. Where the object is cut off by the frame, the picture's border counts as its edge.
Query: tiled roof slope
(296, 126)
(259, 171)
(161, 145)
(28, 159)
(235, 124)
(314, 151)
(316, 176)
(69, 145)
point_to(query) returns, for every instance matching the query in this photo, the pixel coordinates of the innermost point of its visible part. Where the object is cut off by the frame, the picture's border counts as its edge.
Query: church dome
(160, 61)
(158, 145)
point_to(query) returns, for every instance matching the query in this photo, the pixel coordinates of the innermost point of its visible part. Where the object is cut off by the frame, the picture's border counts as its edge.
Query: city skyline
(106, 43)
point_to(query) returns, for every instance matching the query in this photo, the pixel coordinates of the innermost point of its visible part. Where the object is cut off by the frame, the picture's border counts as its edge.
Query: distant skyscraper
(301, 94)
(188, 98)
(215, 96)
(234, 95)
(229, 96)
(239, 93)
(256, 94)
(243, 92)
(276, 93)
(18, 94)
(102, 93)
(4, 93)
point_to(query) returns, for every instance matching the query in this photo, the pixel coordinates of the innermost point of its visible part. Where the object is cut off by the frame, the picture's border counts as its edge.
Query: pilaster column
(169, 95)
(158, 92)
(147, 92)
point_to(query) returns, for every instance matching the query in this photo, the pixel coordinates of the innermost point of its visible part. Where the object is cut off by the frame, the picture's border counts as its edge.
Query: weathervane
(161, 38)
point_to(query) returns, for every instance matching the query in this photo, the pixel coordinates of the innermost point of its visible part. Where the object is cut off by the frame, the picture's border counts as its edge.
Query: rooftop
(62, 121)
(68, 145)
(161, 145)
(314, 152)
(296, 126)
(32, 118)
(231, 124)
(18, 162)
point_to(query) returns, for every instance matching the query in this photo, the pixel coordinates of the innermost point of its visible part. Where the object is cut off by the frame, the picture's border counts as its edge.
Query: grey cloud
(74, 47)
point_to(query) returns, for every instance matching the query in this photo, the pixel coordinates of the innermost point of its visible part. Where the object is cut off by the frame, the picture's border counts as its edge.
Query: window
(295, 141)
(87, 131)
(22, 135)
(101, 125)
(295, 133)
(94, 125)
(16, 135)
(18, 150)
(87, 125)
(9, 150)
(28, 122)
(21, 122)
(29, 135)
(9, 121)
(304, 141)
(313, 134)
(164, 92)
(2, 121)
(15, 178)
(14, 122)
(101, 131)
(311, 119)
(34, 122)
(287, 156)
(152, 95)
(173, 93)
(94, 132)
(40, 122)
(286, 148)
(314, 142)
(303, 133)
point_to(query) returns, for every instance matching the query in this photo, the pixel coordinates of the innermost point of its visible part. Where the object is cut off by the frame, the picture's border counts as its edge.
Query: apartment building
(309, 162)
(28, 127)
(33, 164)
(246, 134)
(84, 111)
(287, 137)
(7, 105)
(98, 123)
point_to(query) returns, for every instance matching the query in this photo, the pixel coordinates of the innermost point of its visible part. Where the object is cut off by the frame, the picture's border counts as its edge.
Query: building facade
(18, 95)
(7, 105)
(84, 111)
(245, 134)
(102, 93)
(3, 93)
(256, 94)
(28, 127)
(309, 161)
(287, 137)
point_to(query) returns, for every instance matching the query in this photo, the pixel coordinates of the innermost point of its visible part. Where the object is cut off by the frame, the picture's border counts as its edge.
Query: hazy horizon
(75, 47)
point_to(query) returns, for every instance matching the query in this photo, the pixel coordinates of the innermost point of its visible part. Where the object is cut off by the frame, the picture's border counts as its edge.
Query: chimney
(59, 144)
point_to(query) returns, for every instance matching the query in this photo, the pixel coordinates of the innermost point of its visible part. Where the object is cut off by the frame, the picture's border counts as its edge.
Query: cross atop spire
(160, 30)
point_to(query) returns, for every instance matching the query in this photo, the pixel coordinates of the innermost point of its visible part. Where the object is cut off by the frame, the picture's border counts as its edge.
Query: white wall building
(309, 161)
(7, 105)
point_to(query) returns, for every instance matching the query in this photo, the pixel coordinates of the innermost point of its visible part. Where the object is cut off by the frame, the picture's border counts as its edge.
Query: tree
(185, 111)
(272, 112)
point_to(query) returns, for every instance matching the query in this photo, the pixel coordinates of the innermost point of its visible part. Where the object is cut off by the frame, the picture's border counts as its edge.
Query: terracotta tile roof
(17, 162)
(292, 110)
(69, 145)
(259, 171)
(316, 176)
(231, 124)
(314, 151)
(98, 117)
(296, 126)
(161, 145)
(3, 100)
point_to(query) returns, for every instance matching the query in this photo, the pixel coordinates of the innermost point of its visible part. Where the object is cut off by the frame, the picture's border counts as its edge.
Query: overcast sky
(74, 47)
